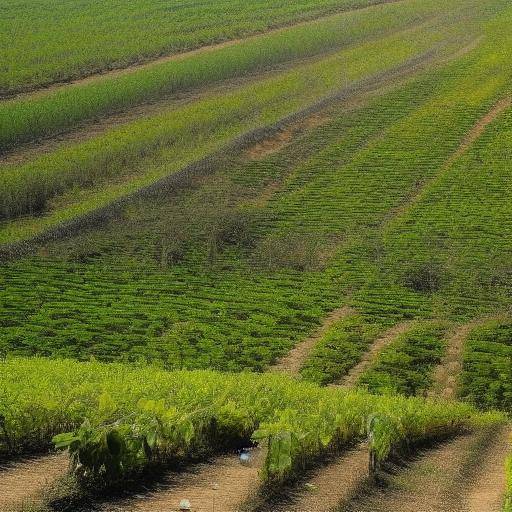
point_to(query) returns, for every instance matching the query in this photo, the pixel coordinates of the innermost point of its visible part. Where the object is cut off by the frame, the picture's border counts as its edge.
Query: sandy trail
(23, 483)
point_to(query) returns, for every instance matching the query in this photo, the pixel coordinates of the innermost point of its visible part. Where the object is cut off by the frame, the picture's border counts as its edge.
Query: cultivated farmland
(256, 256)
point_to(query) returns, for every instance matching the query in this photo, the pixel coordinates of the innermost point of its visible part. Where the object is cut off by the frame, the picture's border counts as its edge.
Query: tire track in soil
(339, 477)
(465, 474)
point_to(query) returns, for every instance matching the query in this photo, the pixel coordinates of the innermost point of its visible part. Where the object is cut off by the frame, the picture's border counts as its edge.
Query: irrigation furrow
(23, 483)
(370, 356)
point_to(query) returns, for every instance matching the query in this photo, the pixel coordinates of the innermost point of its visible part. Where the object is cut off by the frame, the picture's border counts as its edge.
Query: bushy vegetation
(486, 379)
(374, 202)
(46, 114)
(126, 418)
(94, 35)
(406, 365)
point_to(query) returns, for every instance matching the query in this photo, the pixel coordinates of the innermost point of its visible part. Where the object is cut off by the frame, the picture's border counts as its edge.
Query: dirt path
(222, 485)
(292, 363)
(376, 348)
(150, 62)
(478, 129)
(447, 372)
(487, 489)
(462, 475)
(339, 480)
(23, 483)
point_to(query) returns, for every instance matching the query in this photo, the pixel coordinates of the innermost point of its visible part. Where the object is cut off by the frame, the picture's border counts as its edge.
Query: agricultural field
(262, 243)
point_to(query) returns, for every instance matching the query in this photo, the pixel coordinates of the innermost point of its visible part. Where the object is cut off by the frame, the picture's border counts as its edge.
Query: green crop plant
(486, 378)
(95, 36)
(127, 417)
(341, 348)
(406, 365)
(98, 293)
(151, 148)
(56, 111)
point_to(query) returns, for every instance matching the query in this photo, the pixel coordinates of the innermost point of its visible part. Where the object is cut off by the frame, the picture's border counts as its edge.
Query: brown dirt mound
(23, 483)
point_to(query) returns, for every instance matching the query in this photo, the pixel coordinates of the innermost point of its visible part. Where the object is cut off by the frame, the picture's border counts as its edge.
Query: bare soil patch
(328, 486)
(23, 483)
(221, 485)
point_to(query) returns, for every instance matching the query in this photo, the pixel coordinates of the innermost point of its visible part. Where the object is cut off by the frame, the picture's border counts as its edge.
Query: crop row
(341, 348)
(406, 365)
(70, 307)
(157, 146)
(42, 115)
(126, 418)
(127, 288)
(95, 36)
(486, 378)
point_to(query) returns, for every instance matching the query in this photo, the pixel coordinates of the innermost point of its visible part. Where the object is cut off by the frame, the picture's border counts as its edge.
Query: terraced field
(316, 189)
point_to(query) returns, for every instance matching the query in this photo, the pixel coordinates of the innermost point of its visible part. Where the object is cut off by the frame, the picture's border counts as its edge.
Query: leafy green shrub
(425, 277)
(294, 251)
(125, 418)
